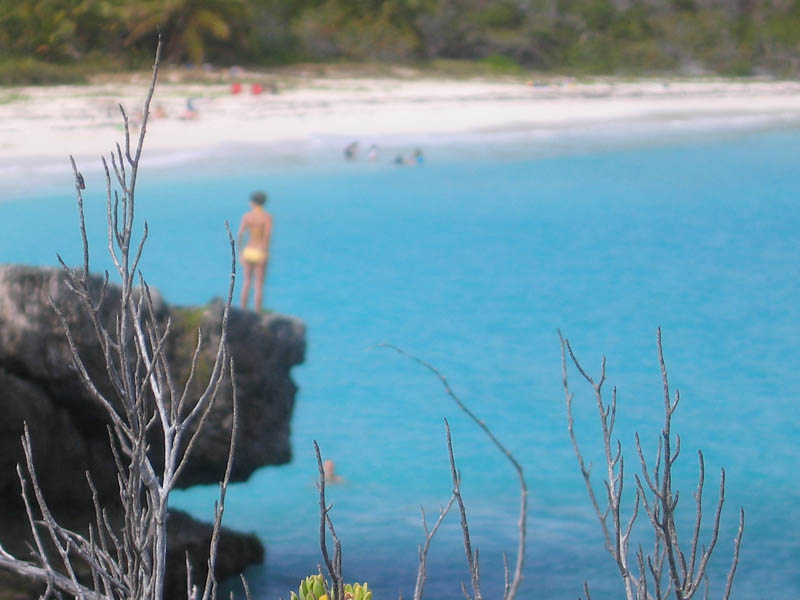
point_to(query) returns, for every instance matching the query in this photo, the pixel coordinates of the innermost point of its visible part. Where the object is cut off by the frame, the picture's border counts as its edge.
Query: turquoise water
(473, 264)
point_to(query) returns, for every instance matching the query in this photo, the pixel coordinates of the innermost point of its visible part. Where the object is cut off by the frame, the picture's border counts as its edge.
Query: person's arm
(267, 231)
(240, 235)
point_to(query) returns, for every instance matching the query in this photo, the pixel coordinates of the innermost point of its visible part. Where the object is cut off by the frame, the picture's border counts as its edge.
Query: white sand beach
(38, 123)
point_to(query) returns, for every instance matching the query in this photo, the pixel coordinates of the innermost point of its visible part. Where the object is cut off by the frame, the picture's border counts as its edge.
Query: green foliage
(502, 64)
(634, 24)
(55, 29)
(356, 591)
(505, 14)
(599, 15)
(685, 5)
(268, 38)
(785, 29)
(186, 321)
(739, 68)
(25, 71)
(357, 30)
(186, 24)
(313, 588)
(44, 40)
(189, 318)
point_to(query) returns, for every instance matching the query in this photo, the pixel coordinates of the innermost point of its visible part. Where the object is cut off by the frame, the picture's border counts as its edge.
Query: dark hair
(258, 197)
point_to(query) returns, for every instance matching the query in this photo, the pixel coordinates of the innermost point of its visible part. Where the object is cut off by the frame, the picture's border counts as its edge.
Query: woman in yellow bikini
(257, 223)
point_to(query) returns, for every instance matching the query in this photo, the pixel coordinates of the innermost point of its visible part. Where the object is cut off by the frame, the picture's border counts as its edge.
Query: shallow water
(473, 263)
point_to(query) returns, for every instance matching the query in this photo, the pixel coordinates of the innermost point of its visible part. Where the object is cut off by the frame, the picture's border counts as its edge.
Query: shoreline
(313, 119)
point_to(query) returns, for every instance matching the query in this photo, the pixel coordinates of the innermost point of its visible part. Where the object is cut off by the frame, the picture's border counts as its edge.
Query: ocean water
(473, 262)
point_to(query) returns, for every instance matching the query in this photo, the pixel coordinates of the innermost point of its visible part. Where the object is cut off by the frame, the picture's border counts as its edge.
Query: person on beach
(257, 224)
(191, 110)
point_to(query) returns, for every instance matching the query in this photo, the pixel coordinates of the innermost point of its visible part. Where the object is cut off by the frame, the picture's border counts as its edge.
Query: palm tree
(186, 24)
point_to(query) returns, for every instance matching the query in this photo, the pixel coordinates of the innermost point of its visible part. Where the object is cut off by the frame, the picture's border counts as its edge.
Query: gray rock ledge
(39, 385)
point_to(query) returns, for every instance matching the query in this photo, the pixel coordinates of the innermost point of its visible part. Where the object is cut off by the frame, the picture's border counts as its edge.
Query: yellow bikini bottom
(254, 256)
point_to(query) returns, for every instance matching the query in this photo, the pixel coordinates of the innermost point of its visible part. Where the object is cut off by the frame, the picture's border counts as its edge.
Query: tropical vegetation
(46, 40)
(315, 587)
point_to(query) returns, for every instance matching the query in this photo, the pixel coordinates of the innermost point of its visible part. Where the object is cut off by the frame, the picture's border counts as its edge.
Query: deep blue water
(473, 264)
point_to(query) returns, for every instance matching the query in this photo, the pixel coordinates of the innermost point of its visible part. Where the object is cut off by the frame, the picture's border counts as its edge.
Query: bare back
(258, 224)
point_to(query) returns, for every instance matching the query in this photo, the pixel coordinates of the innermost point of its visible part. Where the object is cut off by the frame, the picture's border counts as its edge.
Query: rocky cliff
(39, 385)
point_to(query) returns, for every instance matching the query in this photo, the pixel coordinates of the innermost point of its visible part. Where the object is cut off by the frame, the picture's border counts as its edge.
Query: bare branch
(523, 510)
(472, 559)
(614, 483)
(333, 566)
(657, 497)
(211, 582)
(736, 545)
(585, 471)
(247, 594)
(423, 551)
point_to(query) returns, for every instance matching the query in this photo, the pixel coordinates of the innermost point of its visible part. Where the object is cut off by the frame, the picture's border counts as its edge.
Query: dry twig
(334, 566)
(423, 549)
(685, 575)
(511, 587)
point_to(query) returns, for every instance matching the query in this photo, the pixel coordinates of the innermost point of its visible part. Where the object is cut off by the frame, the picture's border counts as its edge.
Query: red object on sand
(236, 88)
(256, 89)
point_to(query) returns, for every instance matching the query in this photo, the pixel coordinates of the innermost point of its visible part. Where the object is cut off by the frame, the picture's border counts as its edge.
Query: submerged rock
(39, 385)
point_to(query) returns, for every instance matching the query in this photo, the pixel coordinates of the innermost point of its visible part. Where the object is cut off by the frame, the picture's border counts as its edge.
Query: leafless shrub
(685, 573)
(511, 584)
(145, 404)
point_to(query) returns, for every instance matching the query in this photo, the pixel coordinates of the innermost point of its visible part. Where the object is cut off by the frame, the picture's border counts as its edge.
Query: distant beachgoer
(399, 160)
(373, 153)
(351, 150)
(191, 110)
(329, 469)
(257, 223)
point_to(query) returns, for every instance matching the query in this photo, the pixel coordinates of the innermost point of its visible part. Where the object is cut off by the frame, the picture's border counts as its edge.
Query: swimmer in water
(351, 150)
(257, 226)
(329, 469)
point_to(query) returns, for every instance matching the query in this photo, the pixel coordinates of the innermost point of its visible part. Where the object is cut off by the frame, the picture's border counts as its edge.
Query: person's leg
(261, 272)
(247, 269)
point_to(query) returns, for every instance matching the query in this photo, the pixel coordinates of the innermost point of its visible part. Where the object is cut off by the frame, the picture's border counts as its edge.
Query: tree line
(729, 37)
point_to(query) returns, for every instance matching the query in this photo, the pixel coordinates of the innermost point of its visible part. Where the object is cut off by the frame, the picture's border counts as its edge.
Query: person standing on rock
(257, 227)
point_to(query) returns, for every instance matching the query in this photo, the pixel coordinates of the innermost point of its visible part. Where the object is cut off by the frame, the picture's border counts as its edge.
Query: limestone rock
(40, 386)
